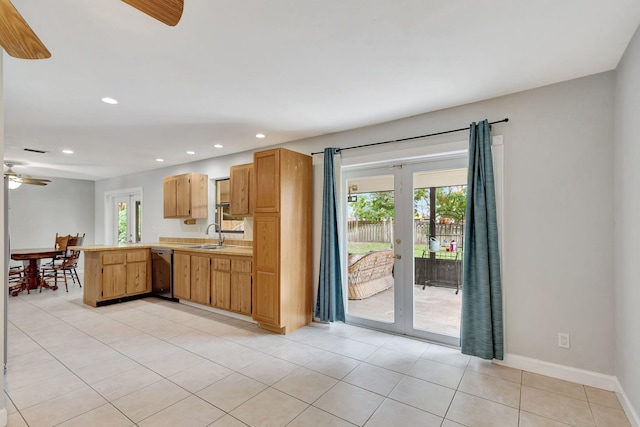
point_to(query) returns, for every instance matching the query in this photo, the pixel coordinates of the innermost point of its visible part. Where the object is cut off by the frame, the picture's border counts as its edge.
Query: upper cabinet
(267, 189)
(186, 196)
(241, 201)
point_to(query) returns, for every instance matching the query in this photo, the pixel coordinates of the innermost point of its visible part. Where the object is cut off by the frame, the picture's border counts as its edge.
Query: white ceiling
(288, 68)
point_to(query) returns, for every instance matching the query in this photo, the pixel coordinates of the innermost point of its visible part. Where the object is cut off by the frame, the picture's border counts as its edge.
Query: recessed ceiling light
(191, 152)
(218, 146)
(260, 135)
(159, 160)
(67, 151)
(108, 100)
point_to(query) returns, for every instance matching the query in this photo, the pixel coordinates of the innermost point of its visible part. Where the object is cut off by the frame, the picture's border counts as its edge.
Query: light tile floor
(157, 363)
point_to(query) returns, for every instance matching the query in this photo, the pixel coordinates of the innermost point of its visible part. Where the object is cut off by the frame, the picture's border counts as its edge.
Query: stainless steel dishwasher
(162, 272)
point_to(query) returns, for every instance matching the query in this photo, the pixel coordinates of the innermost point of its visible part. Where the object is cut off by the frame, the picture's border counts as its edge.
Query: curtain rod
(410, 138)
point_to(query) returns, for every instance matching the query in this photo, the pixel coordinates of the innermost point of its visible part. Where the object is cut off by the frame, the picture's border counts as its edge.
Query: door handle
(397, 256)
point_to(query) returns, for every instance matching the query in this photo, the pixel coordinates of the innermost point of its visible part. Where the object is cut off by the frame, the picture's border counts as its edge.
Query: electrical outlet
(563, 340)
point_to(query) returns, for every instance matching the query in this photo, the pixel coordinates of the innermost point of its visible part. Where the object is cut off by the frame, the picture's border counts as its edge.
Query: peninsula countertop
(224, 250)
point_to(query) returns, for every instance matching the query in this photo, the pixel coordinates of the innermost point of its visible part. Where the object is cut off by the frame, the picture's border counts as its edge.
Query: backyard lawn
(364, 247)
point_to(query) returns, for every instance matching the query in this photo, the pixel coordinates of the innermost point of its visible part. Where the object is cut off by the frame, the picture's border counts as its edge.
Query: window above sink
(222, 209)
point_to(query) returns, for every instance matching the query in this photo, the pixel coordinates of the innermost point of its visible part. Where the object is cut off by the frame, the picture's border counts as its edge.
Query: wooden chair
(61, 244)
(16, 278)
(67, 266)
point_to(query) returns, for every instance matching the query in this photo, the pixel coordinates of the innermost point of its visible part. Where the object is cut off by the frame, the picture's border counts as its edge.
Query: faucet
(218, 229)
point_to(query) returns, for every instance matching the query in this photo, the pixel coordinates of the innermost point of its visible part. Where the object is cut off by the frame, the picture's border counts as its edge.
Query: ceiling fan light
(13, 184)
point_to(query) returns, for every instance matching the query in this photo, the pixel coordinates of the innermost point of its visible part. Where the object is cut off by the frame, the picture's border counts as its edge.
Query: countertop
(225, 250)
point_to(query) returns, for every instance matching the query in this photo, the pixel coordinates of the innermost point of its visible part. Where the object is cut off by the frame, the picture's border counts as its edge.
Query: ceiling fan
(16, 180)
(19, 40)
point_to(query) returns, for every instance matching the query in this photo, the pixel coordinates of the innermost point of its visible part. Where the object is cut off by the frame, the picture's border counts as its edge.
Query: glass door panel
(438, 232)
(127, 219)
(370, 230)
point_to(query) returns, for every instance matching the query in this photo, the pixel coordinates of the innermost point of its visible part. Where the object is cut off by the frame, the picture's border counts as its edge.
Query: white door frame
(110, 202)
(404, 269)
(445, 150)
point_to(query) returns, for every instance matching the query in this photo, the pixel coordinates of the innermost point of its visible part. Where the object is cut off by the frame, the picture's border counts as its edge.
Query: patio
(437, 309)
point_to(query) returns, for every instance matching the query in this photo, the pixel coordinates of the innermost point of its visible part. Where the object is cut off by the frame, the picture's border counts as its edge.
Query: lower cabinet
(116, 274)
(221, 283)
(241, 286)
(218, 281)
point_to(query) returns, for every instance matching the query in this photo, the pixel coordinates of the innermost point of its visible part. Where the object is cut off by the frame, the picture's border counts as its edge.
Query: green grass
(364, 247)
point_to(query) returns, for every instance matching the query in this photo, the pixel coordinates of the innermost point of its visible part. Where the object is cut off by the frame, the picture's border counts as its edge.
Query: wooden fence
(382, 231)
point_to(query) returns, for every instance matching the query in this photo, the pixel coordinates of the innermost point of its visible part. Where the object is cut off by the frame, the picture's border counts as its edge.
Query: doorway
(394, 281)
(123, 216)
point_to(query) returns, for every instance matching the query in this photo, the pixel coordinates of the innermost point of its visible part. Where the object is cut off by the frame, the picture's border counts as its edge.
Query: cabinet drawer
(135, 256)
(113, 257)
(241, 266)
(223, 264)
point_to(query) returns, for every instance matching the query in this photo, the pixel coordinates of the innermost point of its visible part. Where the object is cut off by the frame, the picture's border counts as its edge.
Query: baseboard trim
(563, 372)
(568, 373)
(634, 419)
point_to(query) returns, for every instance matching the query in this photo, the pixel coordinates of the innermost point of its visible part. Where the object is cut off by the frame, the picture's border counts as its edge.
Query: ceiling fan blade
(35, 181)
(166, 11)
(16, 37)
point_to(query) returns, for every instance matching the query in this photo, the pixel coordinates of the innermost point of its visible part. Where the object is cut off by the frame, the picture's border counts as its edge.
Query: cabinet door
(181, 276)
(199, 189)
(221, 283)
(266, 280)
(114, 280)
(240, 179)
(200, 279)
(267, 181)
(183, 196)
(241, 286)
(170, 194)
(137, 277)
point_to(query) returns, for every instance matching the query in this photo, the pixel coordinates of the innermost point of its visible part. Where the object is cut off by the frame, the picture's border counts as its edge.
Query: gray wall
(558, 176)
(558, 261)
(36, 214)
(627, 228)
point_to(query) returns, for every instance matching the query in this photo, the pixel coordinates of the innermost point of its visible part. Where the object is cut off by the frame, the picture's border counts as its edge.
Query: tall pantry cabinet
(282, 251)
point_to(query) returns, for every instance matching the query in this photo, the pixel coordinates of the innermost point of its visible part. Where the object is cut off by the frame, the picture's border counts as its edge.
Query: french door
(393, 281)
(127, 216)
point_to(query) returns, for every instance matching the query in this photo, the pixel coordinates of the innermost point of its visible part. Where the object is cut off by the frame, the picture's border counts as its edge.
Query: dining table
(31, 258)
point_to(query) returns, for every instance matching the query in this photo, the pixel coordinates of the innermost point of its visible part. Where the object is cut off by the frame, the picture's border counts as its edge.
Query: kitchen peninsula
(122, 272)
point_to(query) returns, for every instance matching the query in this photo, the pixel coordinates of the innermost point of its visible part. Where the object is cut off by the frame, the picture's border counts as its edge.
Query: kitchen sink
(206, 247)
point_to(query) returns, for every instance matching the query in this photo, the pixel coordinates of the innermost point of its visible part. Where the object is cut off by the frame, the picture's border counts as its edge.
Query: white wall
(558, 271)
(36, 214)
(627, 226)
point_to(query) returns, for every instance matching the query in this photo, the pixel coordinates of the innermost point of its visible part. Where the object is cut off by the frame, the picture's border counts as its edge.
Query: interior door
(385, 212)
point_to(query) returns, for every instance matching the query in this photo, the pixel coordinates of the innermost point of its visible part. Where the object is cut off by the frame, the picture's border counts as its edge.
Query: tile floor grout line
(53, 310)
(70, 371)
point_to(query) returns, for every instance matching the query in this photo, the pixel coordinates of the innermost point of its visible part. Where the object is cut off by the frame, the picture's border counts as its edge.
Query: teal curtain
(481, 332)
(329, 303)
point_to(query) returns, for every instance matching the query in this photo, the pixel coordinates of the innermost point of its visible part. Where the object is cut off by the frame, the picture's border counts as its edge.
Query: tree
(451, 202)
(378, 206)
